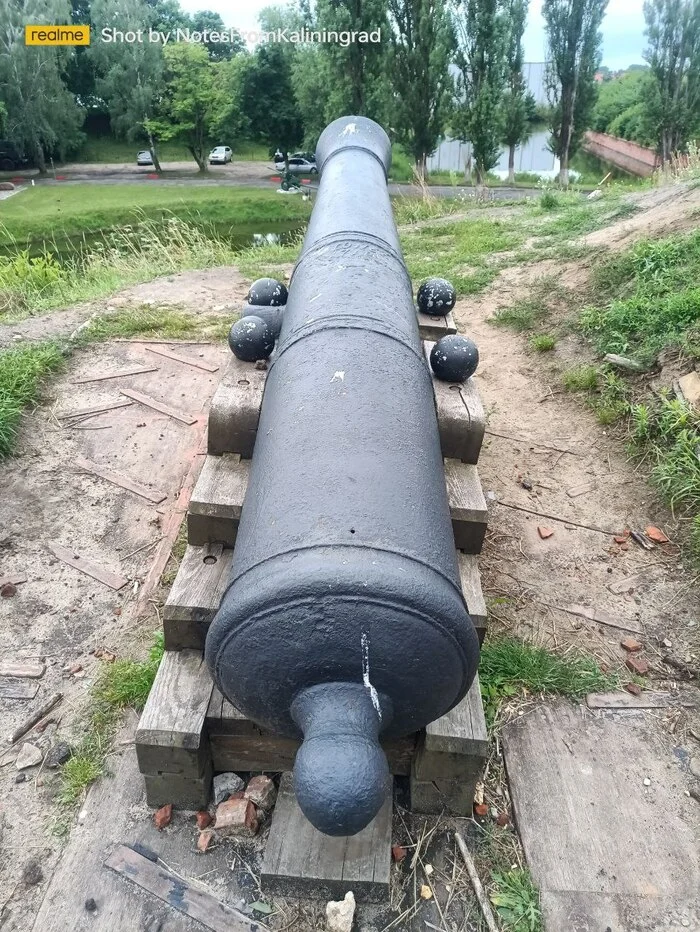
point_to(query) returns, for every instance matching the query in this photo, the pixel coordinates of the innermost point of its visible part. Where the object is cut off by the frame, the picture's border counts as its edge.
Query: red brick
(398, 853)
(163, 816)
(262, 792)
(502, 819)
(236, 817)
(204, 819)
(630, 645)
(637, 665)
(544, 532)
(239, 794)
(205, 839)
(481, 810)
(633, 689)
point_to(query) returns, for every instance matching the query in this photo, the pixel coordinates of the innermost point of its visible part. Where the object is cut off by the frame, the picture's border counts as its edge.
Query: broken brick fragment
(656, 534)
(633, 689)
(631, 645)
(8, 590)
(236, 817)
(637, 665)
(544, 532)
(398, 853)
(203, 819)
(481, 810)
(502, 819)
(205, 839)
(262, 792)
(163, 817)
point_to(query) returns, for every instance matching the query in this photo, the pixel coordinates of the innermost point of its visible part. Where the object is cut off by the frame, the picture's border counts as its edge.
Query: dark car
(10, 159)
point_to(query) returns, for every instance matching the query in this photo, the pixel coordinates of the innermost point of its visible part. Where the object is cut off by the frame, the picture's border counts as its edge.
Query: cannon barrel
(344, 618)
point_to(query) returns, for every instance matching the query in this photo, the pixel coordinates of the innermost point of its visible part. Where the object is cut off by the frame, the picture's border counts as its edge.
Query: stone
(8, 590)
(203, 819)
(502, 819)
(262, 792)
(340, 913)
(163, 817)
(225, 785)
(631, 645)
(20, 777)
(694, 765)
(90, 904)
(205, 839)
(29, 756)
(690, 386)
(236, 817)
(32, 874)
(637, 665)
(624, 362)
(58, 754)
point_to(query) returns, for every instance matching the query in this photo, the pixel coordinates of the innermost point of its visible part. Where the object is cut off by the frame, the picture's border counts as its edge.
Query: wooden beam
(124, 482)
(207, 367)
(138, 370)
(156, 405)
(113, 580)
(95, 409)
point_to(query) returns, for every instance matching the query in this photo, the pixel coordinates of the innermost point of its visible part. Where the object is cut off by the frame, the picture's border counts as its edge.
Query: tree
(518, 104)
(311, 79)
(623, 108)
(190, 102)
(573, 55)
(356, 69)
(130, 74)
(268, 99)
(41, 114)
(673, 30)
(212, 22)
(481, 38)
(421, 43)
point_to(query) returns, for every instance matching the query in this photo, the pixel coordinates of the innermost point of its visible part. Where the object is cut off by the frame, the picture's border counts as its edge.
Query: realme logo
(57, 35)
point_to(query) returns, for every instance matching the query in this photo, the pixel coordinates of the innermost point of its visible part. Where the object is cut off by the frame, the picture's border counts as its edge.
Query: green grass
(542, 342)
(106, 149)
(119, 685)
(583, 378)
(156, 322)
(41, 214)
(509, 667)
(517, 900)
(521, 316)
(268, 260)
(23, 369)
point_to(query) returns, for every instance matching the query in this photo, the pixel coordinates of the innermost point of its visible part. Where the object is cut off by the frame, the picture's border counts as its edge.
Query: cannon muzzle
(344, 620)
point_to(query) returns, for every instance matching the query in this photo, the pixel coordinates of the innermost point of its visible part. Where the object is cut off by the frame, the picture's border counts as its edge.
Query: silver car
(220, 155)
(299, 164)
(144, 158)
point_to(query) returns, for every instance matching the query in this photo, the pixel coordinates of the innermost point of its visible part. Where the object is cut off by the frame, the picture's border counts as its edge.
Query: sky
(623, 27)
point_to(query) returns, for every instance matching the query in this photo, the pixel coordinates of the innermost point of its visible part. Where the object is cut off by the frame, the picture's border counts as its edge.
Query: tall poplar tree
(518, 104)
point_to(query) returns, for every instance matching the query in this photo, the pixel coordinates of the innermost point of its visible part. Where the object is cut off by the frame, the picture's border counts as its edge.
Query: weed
(583, 378)
(549, 200)
(517, 901)
(146, 320)
(521, 317)
(695, 539)
(542, 342)
(22, 372)
(268, 260)
(508, 667)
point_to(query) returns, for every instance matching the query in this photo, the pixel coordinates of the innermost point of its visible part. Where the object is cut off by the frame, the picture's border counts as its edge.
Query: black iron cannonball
(436, 297)
(271, 315)
(267, 291)
(250, 339)
(454, 358)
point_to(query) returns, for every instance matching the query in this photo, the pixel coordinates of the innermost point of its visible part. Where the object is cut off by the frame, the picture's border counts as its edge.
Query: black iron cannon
(344, 617)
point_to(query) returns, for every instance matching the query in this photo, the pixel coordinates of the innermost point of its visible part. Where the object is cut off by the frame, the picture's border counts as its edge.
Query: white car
(144, 158)
(220, 155)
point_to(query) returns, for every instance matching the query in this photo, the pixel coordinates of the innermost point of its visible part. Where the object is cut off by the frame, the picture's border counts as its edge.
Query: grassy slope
(106, 149)
(43, 212)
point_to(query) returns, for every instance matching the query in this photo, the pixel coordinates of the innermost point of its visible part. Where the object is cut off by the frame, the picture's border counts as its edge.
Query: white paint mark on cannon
(349, 130)
(364, 640)
(338, 377)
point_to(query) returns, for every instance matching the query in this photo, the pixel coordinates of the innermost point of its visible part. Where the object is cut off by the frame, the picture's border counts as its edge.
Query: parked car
(10, 159)
(299, 164)
(144, 157)
(220, 155)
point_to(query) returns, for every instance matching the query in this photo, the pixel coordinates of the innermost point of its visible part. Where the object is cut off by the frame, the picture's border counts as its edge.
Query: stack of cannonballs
(253, 336)
(454, 358)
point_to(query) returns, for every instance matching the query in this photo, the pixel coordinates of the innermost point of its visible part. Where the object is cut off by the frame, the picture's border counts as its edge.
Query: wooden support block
(183, 792)
(434, 797)
(467, 505)
(302, 862)
(235, 409)
(171, 738)
(237, 743)
(433, 327)
(195, 596)
(471, 590)
(217, 500)
(460, 414)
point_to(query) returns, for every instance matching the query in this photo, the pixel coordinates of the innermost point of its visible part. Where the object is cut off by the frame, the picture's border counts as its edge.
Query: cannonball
(250, 339)
(271, 315)
(454, 358)
(267, 291)
(436, 297)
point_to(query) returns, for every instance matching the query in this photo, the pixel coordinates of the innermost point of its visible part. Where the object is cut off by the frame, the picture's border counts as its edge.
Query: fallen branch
(476, 884)
(542, 514)
(35, 717)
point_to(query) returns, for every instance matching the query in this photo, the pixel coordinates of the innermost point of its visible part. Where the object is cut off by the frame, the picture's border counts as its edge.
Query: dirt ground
(583, 488)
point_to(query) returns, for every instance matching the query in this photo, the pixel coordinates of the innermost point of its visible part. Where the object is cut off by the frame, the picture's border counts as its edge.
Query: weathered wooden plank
(176, 892)
(31, 670)
(471, 590)
(124, 482)
(432, 327)
(235, 409)
(195, 596)
(94, 409)
(138, 370)
(184, 792)
(17, 689)
(113, 580)
(461, 416)
(467, 505)
(587, 792)
(217, 502)
(300, 861)
(177, 705)
(149, 402)
(573, 911)
(197, 363)
(455, 797)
